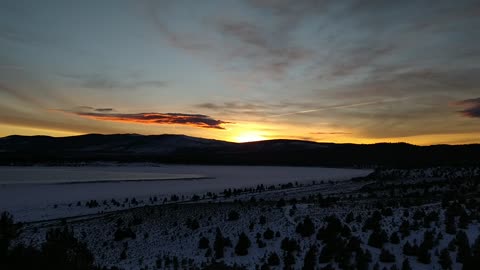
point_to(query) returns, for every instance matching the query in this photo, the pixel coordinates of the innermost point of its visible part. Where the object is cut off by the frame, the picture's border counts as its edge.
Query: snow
(40, 193)
(168, 235)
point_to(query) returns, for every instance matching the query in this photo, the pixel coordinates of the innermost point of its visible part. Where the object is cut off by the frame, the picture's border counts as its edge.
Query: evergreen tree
(310, 259)
(450, 226)
(423, 255)
(8, 232)
(62, 250)
(243, 244)
(306, 228)
(362, 259)
(394, 239)
(268, 234)
(386, 256)
(377, 239)
(203, 243)
(463, 245)
(233, 215)
(219, 244)
(288, 259)
(406, 265)
(273, 259)
(444, 259)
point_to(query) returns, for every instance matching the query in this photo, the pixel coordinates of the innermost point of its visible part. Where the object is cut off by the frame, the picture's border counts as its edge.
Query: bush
(386, 256)
(268, 234)
(203, 243)
(306, 228)
(288, 259)
(444, 259)
(121, 234)
(377, 239)
(263, 220)
(62, 250)
(273, 259)
(310, 259)
(289, 245)
(394, 239)
(233, 215)
(192, 224)
(464, 250)
(409, 250)
(423, 255)
(406, 265)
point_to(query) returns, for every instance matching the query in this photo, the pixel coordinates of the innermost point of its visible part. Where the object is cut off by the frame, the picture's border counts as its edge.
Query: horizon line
(256, 141)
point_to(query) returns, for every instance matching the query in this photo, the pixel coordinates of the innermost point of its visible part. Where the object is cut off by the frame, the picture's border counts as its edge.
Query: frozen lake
(31, 192)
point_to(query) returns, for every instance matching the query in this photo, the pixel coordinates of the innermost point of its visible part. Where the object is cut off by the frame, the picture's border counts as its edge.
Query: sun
(249, 137)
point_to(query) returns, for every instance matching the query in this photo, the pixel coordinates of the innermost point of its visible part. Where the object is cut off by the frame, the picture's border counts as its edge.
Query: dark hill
(184, 149)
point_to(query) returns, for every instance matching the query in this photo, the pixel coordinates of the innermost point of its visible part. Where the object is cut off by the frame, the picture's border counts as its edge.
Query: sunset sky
(330, 71)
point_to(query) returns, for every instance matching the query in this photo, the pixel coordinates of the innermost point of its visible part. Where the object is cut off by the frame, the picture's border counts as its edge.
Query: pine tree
(203, 243)
(8, 231)
(219, 244)
(243, 244)
(386, 256)
(268, 234)
(273, 259)
(377, 239)
(310, 259)
(306, 228)
(406, 265)
(444, 259)
(288, 259)
(463, 244)
(423, 255)
(394, 239)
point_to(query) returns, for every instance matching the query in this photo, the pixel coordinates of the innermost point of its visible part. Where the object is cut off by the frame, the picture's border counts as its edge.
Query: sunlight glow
(249, 137)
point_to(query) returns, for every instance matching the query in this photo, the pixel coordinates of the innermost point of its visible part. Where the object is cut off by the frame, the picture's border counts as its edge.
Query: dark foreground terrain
(392, 219)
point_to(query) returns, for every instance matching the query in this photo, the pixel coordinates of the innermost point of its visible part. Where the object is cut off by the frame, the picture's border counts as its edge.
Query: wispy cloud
(339, 106)
(104, 81)
(266, 49)
(331, 133)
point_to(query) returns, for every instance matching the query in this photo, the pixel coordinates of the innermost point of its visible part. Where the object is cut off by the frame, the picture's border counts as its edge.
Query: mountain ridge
(174, 148)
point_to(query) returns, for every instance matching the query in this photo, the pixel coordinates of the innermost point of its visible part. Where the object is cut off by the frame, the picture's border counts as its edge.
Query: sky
(327, 71)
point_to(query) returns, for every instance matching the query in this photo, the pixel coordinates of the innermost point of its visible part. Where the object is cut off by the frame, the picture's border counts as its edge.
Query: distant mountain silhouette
(190, 150)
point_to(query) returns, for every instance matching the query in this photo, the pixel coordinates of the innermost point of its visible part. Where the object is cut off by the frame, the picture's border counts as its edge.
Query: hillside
(190, 150)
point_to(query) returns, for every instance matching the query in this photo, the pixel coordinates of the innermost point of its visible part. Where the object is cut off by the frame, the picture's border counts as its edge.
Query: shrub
(310, 259)
(233, 215)
(289, 245)
(406, 265)
(268, 234)
(377, 239)
(273, 259)
(121, 234)
(203, 243)
(192, 224)
(386, 256)
(263, 220)
(306, 228)
(444, 259)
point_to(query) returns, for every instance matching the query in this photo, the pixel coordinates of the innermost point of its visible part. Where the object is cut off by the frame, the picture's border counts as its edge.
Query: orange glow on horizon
(249, 136)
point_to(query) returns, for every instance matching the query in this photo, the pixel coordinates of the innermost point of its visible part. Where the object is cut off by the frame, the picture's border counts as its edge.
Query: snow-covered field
(391, 218)
(39, 193)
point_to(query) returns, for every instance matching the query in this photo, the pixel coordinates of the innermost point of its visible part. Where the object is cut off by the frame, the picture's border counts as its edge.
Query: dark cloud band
(472, 107)
(106, 114)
